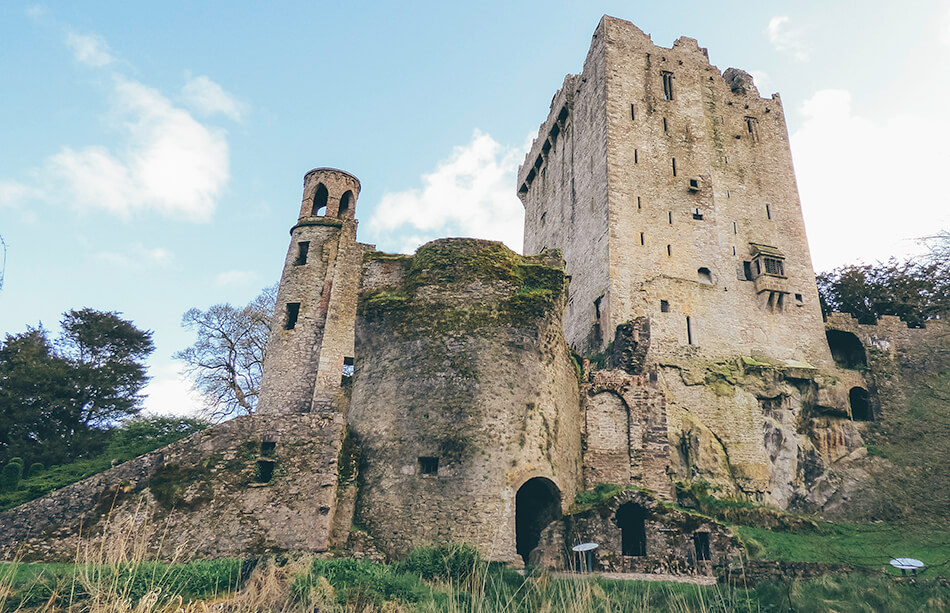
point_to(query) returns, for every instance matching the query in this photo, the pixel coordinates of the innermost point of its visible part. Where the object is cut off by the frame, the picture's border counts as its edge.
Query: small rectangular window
(667, 85)
(268, 448)
(303, 248)
(747, 270)
(664, 306)
(697, 215)
(694, 185)
(752, 125)
(293, 310)
(348, 369)
(799, 300)
(428, 465)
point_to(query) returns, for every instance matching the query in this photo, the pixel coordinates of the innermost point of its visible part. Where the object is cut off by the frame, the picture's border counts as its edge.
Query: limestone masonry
(663, 327)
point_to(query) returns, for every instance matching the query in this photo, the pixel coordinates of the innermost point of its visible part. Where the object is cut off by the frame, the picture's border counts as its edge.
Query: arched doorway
(320, 200)
(860, 404)
(631, 519)
(537, 504)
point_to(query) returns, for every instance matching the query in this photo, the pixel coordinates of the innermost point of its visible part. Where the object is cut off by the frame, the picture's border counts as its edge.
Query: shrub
(36, 468)
(11, 474)
(455, 562)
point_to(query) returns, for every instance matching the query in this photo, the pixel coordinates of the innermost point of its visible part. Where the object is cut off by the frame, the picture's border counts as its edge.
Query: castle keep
(663, 326)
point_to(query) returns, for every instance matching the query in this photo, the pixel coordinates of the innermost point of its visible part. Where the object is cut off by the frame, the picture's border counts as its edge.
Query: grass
(867, 545)
(130, 440)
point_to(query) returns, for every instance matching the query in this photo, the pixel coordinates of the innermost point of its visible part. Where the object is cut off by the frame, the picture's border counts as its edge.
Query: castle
(445, 396)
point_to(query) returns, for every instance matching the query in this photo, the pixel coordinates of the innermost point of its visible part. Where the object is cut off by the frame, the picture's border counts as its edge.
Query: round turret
(328, 192)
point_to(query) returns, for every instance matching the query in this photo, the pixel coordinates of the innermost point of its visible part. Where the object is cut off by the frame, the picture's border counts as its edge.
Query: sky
(152, 154)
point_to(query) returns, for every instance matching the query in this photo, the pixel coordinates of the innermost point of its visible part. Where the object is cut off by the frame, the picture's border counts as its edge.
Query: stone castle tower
(670, 190)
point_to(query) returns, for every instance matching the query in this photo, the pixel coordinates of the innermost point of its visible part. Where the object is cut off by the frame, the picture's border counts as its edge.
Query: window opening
(597, 308)
(799, 300)
(768, 211)
(319, 200)
(697, 215)
(694, 185)
(264, 471)
(631, 519)
(860, 404)
(428, 465)
(667, 85)
(293, 310)
(701, 541)
(735, 228)
(846, 349)
(674, 167)
(772, 266)
(689, 330)
(634, 156)
(705, 275)
(638, 202)
(752, 125)
(348, 369)
(345, 202)
(642, 239)
(664, 124)
(543, 215)
(664, 306)
(733, 251)
(633, 112)
(747, 270)
(303, 248)
(671, 217)
(669, 250)
(268, 448)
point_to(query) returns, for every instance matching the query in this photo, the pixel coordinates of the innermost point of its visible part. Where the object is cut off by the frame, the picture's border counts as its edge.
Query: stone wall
(204, 496)
(670, 537)
(464, 391)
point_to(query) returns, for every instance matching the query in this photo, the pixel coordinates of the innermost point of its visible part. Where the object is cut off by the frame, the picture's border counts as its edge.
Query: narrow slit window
(665, 128)
(735, 228)
(689, 330)
(752, 125)
(768, 211)
(642, 239)
(597, 308)
(303, 248)
(669, 250)
(674, 167)
(697, 215)
(638, 202)
(428, 465)
(671, 217)
(635, 155)
(633, 113)
(293, 311)
(667, 85)
(348, 369)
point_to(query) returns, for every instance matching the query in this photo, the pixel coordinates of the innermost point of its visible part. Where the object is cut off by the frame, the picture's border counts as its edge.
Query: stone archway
(860, 404)
(537, 504)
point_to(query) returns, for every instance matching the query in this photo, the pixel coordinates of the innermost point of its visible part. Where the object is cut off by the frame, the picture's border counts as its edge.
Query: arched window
(346, 202)
(846, 349)
(705, 275)
(319, 200)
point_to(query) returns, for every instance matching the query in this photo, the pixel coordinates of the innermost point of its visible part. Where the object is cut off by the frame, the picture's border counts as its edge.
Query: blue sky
(152, 154)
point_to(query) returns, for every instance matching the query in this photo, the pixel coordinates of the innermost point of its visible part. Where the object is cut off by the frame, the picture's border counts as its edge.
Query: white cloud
(137, 256)
(235, 277)
(943, 33)
(166, 161)
(762, 81)
(786, 38)
(869, 187)
(206, 96)
(171, 393)
(471, 193)
(89, 49)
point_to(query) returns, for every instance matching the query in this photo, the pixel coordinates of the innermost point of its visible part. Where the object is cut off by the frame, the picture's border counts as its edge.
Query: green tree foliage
(226, 362)
(916, 290)
(11, 474)
(58, 399)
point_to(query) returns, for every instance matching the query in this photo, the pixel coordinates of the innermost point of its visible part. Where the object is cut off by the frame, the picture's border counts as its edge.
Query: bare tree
(226, 362)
